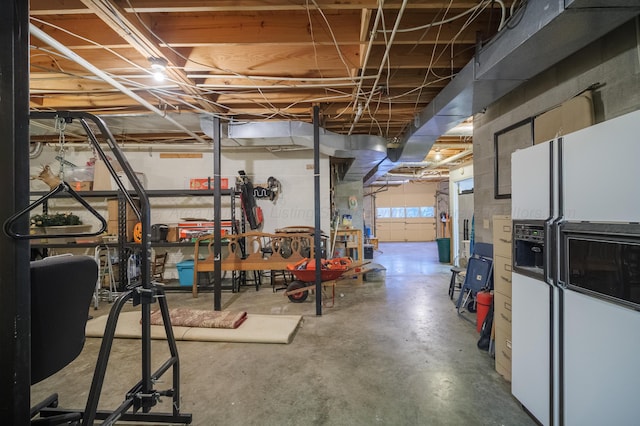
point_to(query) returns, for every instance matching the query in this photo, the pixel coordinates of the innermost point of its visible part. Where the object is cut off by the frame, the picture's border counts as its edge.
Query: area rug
(255, 329)
(201, 318)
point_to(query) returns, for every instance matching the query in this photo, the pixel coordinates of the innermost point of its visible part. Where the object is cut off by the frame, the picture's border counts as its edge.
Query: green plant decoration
(58, 219)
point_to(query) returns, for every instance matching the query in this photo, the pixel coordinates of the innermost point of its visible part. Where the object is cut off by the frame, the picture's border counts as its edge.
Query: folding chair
(477, 277)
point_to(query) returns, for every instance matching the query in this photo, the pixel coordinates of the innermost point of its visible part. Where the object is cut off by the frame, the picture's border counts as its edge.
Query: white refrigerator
(576, 301)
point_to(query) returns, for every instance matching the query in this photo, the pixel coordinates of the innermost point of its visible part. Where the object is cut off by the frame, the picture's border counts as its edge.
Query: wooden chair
(157, 267)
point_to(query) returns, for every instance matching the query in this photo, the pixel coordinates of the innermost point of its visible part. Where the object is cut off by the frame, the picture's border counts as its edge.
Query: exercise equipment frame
(142, 397)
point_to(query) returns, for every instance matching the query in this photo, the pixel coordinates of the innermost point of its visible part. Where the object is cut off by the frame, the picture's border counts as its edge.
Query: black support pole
(316, 202)
(15, 295)
(217, 211)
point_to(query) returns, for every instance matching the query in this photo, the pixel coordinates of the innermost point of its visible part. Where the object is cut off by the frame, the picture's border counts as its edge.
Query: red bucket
(483, 303)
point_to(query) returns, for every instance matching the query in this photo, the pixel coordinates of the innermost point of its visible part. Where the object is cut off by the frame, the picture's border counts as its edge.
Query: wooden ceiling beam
(410, 78)
(275, 60)
(185, 30)
(139, 37)
(48, 7)
(145, 6)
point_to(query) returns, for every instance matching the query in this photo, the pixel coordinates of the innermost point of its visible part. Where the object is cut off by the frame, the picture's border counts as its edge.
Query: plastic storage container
(185, 272)
(444, 250)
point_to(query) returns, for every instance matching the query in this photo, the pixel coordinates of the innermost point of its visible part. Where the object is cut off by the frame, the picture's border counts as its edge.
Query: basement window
(427, 211)
(397, 212)
(413, 211)
(383, 212)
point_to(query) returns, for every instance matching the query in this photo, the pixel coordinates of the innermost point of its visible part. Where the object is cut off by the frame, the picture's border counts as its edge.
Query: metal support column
(217, 235)
(316, 203)
(15, 295)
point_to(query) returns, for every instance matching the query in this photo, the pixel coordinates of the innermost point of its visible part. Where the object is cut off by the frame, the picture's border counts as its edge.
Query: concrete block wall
(613, 63)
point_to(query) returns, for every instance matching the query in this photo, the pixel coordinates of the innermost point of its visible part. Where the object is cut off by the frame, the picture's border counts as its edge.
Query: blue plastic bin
(185, 272)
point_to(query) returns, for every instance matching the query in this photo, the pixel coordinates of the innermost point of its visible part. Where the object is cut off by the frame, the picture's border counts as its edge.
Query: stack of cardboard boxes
(502, 226)
(112, 218)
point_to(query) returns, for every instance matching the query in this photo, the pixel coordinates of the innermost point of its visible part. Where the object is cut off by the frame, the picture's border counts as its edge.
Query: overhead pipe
(107, 78)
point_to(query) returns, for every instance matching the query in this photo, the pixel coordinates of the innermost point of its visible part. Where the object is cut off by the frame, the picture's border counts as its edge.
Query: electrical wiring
(358, 91)
(50, 55)
(333, 37)
(483, 4)
(429, 69)
(451, 42)
(92, 42)
(208, 66)
(475, 12)
(431, 59)
(313, 41)
(384, 57)
(352, 102)
(378, 92)
(151, 89)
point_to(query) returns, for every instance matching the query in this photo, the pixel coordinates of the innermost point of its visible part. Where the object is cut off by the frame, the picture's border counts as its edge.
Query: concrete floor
(388, 353)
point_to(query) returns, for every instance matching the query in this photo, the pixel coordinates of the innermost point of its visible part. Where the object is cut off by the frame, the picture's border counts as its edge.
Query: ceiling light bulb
(158, 76)
(158, 68)
(438, 155)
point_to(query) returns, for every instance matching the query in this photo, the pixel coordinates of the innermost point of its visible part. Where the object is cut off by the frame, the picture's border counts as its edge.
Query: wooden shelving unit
(351, 241)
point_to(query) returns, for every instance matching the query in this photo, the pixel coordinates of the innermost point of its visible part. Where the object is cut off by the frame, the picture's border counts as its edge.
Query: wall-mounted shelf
(150, 193)
(124, 246)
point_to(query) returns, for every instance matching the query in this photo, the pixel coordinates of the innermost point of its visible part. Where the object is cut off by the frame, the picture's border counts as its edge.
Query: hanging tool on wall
(252, 212)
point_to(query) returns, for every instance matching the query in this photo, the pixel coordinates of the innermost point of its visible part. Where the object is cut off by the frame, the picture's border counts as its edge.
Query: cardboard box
(196, 224)
(102, 177)
(194, 229)
(189, 230)
(125, 180)
(112, 228)
(172, 234)
(112, 210)
(103, 181)
(207, 183)
(86, 185)
(573, 115)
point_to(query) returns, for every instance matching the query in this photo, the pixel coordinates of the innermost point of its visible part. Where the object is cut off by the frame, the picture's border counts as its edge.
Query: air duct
(540, 34)
(364, 151)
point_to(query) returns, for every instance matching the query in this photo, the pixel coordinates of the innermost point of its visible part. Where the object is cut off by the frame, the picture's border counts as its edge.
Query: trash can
(483, 302)
(444, 250)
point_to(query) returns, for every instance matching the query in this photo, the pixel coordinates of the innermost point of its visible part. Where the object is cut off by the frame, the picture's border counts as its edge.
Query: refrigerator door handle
(548, 263)
(559, 253)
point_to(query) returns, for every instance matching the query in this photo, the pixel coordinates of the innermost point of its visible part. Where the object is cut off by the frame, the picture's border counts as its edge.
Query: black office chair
(61, 291)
